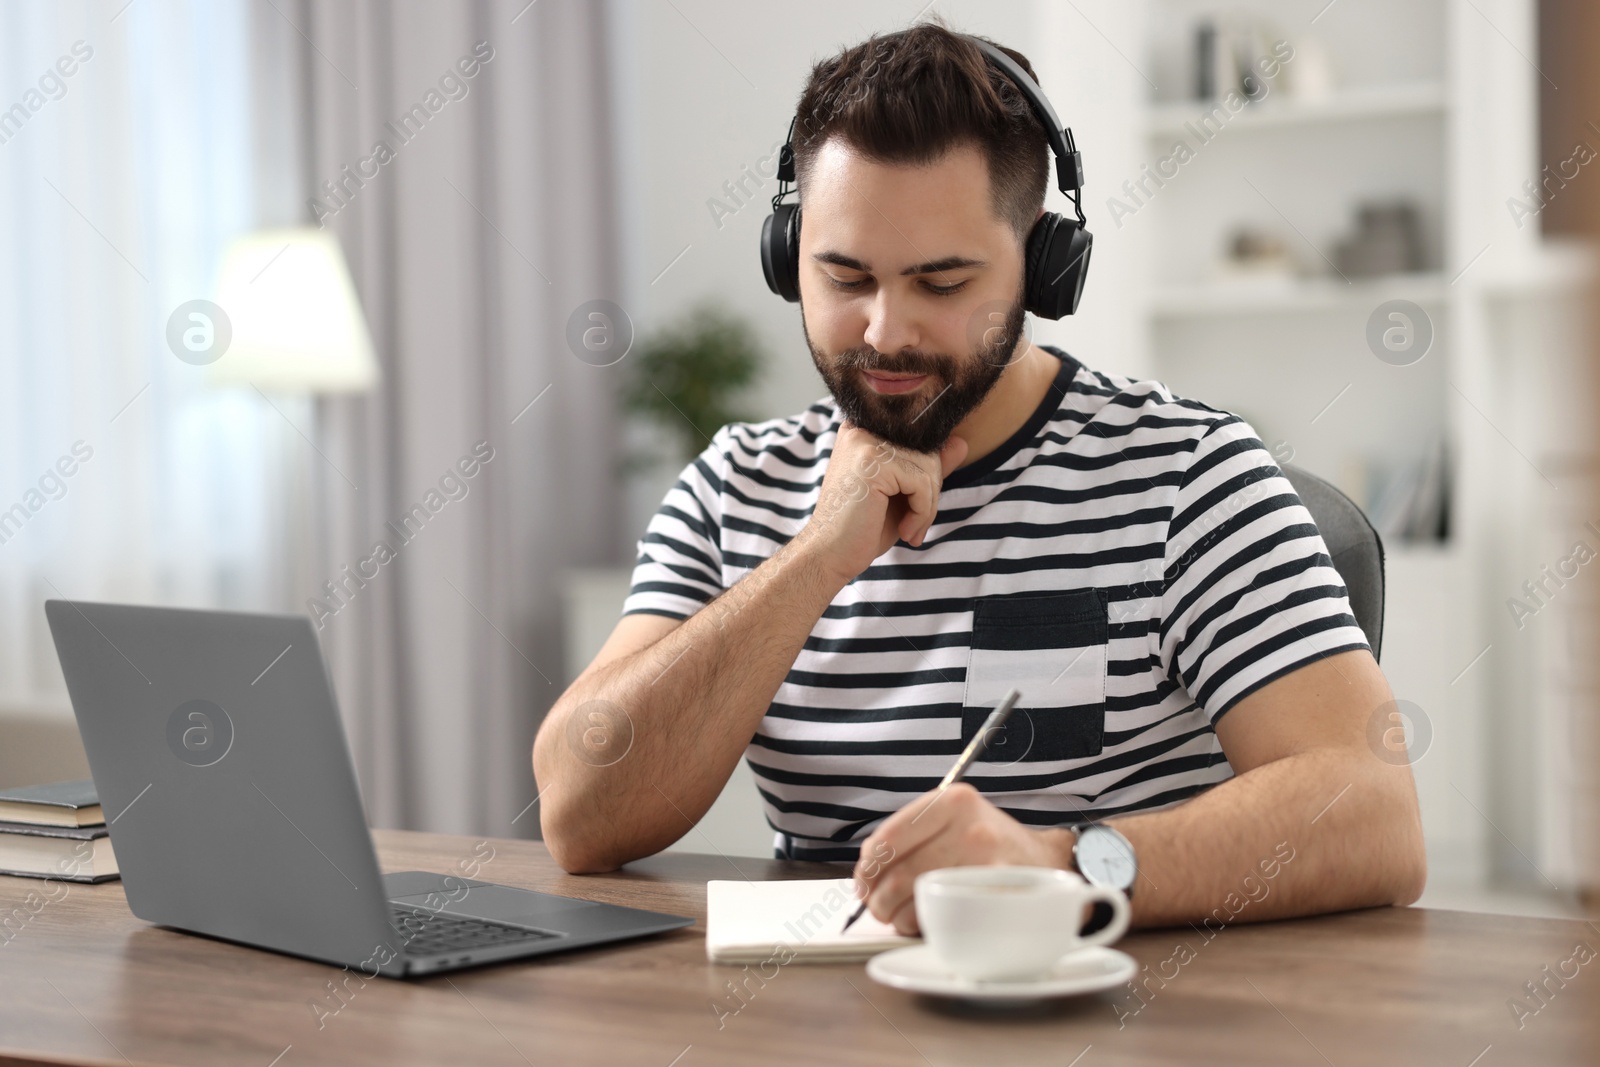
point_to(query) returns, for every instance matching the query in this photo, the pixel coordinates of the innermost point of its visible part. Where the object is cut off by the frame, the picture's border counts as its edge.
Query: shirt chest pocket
(1052, 648)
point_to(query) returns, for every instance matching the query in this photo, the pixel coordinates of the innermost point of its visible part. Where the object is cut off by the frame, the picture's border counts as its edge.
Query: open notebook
(752, 922)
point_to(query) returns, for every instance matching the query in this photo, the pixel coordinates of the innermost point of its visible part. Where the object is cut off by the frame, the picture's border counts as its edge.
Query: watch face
(1105, 857)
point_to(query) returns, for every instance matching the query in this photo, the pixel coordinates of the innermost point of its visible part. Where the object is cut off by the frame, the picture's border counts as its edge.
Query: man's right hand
(873, 495)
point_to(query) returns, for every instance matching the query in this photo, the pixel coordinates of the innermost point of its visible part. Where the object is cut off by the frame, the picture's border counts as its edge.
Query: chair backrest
(1354, 545)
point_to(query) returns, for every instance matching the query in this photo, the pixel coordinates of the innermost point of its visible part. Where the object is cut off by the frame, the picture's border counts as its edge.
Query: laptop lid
(221, 765)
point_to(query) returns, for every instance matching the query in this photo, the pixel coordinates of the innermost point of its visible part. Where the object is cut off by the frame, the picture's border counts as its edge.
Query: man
(843, 595)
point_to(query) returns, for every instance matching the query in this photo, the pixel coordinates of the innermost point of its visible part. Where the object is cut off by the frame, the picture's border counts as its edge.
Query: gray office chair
(1356, 549)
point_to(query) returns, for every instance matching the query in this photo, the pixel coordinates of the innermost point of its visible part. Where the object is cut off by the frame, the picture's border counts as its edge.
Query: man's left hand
(957, 828)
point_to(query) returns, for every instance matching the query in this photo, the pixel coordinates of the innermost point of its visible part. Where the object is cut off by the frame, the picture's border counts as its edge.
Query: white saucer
(917, 969)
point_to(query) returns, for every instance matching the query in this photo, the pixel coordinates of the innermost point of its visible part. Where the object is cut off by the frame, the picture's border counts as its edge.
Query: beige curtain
(462, 153)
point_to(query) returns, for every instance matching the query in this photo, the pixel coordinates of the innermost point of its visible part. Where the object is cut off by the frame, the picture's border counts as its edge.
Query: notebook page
(799, 919)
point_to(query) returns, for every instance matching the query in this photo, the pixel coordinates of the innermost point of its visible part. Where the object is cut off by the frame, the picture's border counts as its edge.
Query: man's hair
(909, 97)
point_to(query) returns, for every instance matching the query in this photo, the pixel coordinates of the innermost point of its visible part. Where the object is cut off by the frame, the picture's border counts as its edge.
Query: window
(127, 162)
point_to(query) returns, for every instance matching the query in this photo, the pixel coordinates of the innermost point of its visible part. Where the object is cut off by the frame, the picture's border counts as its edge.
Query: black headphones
(1057, 252)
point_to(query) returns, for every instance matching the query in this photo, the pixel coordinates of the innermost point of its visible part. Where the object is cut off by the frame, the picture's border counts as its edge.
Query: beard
(923, 419)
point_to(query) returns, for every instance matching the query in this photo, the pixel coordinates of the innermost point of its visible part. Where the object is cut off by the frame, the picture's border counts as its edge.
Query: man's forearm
(1322, 830)
(691, 702)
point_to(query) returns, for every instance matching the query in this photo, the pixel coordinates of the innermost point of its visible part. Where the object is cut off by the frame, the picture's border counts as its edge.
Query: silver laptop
(221, 765)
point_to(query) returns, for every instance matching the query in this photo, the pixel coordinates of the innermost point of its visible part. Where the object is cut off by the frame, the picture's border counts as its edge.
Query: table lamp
(296, 322)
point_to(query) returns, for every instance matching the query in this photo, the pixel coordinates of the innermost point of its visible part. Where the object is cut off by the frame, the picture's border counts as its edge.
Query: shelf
(1279, 296)
(1390, 101)
(1555, 266)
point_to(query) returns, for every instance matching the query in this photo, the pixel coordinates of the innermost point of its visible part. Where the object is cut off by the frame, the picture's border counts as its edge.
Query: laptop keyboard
(428, 933)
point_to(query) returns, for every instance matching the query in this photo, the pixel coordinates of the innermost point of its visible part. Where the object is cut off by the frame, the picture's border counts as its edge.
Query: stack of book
(55, 830)
(1412, 498)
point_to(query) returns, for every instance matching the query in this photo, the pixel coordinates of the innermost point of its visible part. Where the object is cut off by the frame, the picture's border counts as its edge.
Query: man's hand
(872, 496)
(957, 828)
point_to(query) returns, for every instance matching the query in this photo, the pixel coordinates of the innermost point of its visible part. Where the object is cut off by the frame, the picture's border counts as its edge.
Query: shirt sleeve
(678, 569)
(1251, 593)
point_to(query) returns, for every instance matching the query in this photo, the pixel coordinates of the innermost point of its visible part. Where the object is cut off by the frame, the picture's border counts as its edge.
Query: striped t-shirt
(1133, 562)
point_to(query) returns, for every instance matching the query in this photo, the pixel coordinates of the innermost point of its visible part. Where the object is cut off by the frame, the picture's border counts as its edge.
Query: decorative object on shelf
(1236, 56)
(685, 377)
(1311, 78)
(1212, 57)
(1256, 253)
(1387, 240)
(1205, 60)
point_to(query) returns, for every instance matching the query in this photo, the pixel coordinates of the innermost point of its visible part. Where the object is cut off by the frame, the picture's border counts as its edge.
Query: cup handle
(1121, 912)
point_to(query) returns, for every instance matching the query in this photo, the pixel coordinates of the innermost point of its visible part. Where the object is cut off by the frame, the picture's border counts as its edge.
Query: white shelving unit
(1434, 101)
(1176, 302)
(1356, 104)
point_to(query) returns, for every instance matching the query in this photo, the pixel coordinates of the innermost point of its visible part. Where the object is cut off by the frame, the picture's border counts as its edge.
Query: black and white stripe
(1133, 562)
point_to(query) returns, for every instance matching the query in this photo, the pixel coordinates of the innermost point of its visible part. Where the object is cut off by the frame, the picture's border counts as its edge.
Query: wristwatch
(1104, 857)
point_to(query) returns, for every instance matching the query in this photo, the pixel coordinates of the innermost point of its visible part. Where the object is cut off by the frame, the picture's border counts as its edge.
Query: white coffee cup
(992, 923)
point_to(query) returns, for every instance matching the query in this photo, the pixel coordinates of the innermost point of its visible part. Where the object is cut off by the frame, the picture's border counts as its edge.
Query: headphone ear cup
(1057, 262)
(780, 251)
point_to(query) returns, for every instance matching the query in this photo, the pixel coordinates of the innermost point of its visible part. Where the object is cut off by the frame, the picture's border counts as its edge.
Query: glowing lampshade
(297, 325)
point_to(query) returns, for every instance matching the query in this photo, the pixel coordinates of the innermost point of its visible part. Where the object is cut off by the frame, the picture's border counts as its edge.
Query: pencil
(979, 742)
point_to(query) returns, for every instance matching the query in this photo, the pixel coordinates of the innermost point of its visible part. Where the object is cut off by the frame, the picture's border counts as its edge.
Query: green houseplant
(685, 377)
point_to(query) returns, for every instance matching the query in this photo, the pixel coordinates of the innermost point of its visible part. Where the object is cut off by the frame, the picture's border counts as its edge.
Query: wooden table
(83, 981)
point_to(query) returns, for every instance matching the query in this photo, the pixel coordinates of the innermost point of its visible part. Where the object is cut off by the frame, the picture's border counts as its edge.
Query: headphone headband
(1069, 161)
